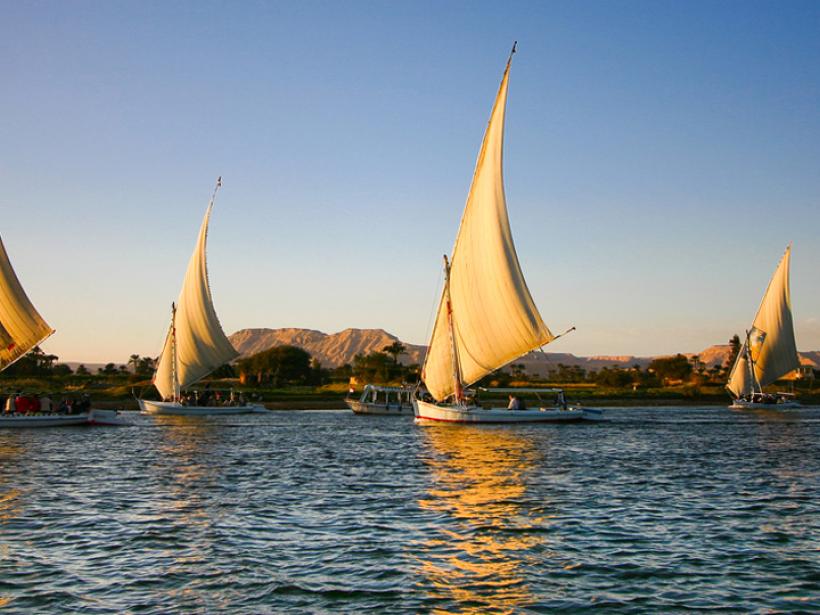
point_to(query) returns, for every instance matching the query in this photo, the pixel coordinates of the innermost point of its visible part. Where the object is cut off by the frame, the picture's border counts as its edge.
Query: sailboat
(769, 351)
(195, 344)
(486, 316)
(21, 329)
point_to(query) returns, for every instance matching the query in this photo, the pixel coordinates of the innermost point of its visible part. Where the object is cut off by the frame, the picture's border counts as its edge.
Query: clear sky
(659, 158)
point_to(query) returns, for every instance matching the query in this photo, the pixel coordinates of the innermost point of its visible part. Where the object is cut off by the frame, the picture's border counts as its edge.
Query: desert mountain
(339, 348)
(331, 350)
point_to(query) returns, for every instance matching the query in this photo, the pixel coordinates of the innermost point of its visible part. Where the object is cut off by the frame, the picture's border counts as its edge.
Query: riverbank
(121, 395)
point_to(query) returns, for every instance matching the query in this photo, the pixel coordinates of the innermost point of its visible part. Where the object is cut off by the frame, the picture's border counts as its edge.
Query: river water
(660, 509)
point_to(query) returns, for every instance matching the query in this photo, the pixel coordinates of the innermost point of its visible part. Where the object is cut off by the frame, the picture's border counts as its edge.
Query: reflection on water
(473, 562)
(186, 451)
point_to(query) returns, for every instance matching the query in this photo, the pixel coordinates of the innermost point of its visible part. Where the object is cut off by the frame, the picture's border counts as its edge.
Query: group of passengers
(41, 403)
(211, 398)
(516, 403)
(760, 398)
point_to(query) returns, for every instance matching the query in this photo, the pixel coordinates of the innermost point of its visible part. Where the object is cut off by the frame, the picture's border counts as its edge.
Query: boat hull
(431, 413)
(107, 417)
(742, 404)
(17, 421)
(359, 407)
(176, 409)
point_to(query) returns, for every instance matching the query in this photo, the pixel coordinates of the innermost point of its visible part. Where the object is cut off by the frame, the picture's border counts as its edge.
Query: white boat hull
(177, 409)
(742, 404)
(44, 420)
(427, 412)
(360, 407)
(107, 417)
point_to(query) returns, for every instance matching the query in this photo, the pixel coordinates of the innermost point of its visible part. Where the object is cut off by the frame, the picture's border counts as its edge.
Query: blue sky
(659, 158)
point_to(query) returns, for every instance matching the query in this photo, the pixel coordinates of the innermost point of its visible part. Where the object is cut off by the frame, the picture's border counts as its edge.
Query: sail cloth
(771, 339)
(21, 326)
(495, 319)
(201, 345)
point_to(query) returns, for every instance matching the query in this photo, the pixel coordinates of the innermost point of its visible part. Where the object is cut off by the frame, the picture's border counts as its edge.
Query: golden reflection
(9, 503)
(475, 563)
(188, 443)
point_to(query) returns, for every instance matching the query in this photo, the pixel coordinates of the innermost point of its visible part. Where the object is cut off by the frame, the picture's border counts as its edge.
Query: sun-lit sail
(196, 345)
(770, 343)
(494, 318)
(21, 326)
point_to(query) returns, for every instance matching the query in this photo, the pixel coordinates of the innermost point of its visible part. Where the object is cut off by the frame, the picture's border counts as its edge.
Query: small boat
(21, 329)
(384, 400)
(769, 351)
(195, 344)
(486, 316)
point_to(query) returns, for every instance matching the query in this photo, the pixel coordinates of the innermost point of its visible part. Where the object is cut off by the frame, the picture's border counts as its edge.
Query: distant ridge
(336, 349)
(331, 350)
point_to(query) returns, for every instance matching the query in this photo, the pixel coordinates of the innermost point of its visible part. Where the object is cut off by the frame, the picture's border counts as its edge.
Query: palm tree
(394, 350)
(134, 361)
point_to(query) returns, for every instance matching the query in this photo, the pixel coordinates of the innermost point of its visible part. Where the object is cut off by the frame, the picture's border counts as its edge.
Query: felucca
(195, 344)
(21, 329)
(769, 351)
(486, 317)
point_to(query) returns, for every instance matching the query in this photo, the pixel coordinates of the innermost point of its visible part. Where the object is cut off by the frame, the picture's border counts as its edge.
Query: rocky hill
(331, 350)
(339, 348)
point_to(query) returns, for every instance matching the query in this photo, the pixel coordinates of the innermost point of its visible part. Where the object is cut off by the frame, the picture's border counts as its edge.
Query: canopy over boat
(195, 345)
(486, 317)
(770, 350)
(21, 326)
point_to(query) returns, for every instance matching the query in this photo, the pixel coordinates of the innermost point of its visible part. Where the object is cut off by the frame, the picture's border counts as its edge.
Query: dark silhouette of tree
(280, 365)
(82, 370)
(734, 350)
(394, 350)
(671, 368)
(615, 377)
(109, 370)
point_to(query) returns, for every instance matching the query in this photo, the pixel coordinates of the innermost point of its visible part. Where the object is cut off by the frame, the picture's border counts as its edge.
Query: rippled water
(661, 509)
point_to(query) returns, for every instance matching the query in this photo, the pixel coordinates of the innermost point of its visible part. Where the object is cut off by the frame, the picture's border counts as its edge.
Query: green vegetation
(288, 377)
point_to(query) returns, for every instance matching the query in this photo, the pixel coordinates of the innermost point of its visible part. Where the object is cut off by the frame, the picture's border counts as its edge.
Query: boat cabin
(401, 397)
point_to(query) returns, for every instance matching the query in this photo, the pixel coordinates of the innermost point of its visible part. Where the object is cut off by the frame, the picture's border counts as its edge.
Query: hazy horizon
(659, 158)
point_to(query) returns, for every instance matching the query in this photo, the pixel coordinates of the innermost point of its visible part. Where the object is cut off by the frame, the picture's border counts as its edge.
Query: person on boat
(515, 403)
(24, 404)
(561, 400)
(45, 403)
(11, 406)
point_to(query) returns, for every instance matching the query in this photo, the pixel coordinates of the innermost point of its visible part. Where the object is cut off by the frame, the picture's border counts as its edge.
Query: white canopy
(196, 340)
(771, 340)
(21, 326)
(495, 320)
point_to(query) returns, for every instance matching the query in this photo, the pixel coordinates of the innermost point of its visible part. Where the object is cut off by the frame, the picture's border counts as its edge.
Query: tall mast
(458, 389)
(751, 363)
(174, 376)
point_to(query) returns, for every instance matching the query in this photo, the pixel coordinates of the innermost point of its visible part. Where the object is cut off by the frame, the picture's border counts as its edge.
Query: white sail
(495, 320)
(21, 326)
(770, 343)
(196, 340)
